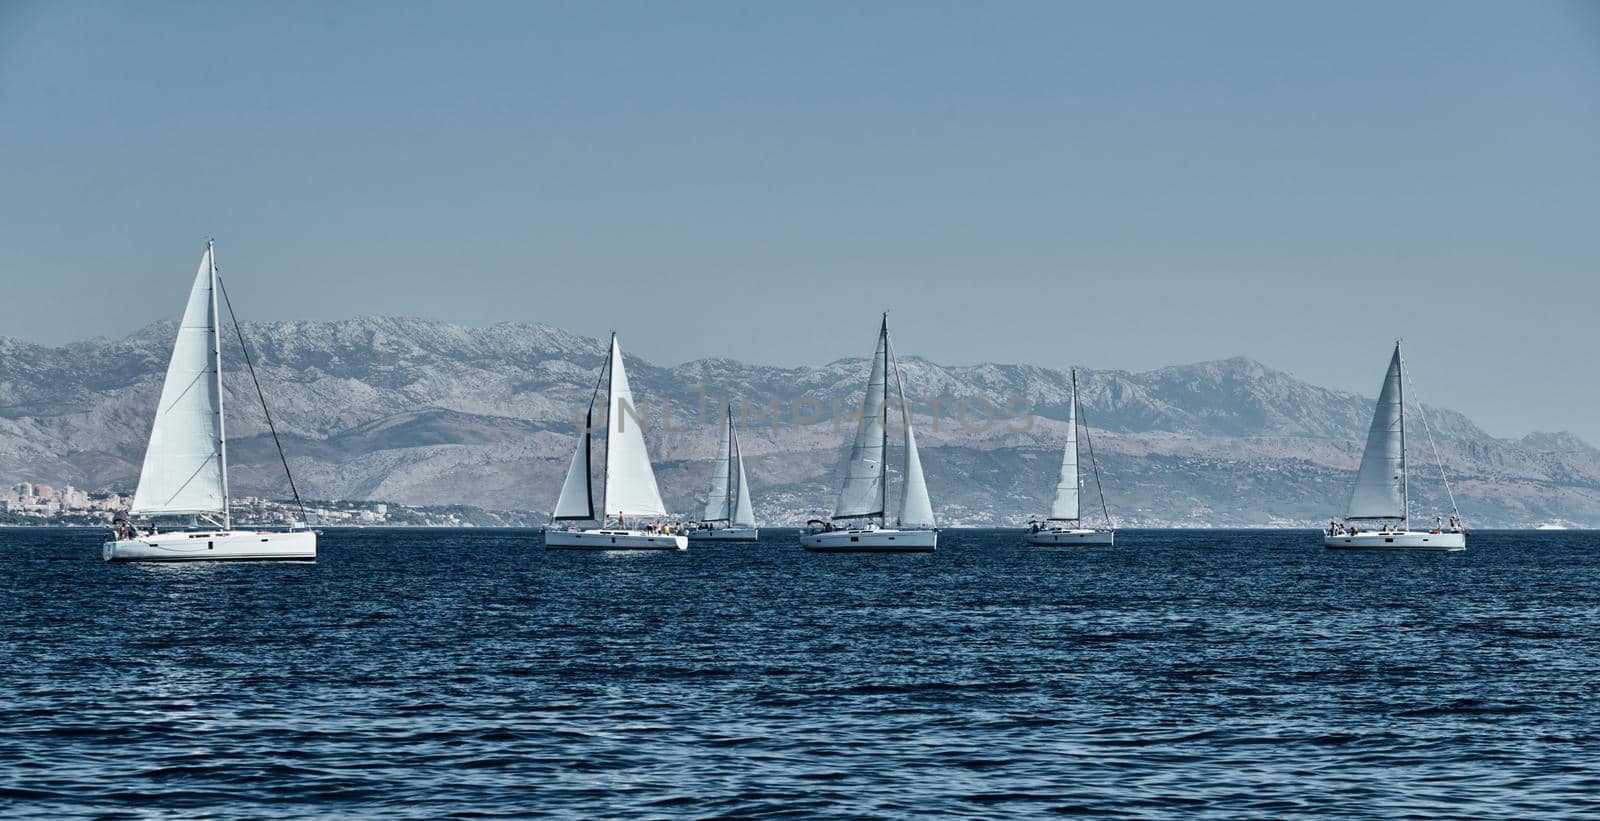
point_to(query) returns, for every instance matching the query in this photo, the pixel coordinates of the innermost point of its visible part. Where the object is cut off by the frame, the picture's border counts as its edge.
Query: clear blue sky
(1116, 185)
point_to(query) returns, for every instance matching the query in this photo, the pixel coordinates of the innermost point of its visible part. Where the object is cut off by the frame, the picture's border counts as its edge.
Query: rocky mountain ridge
(425, 412)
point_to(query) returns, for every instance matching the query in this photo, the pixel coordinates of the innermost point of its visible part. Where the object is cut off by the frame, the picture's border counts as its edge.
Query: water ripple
(424, 673)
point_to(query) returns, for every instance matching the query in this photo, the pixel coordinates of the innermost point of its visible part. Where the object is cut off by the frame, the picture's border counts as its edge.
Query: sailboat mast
(733, 460)
(216, 383)
(605, 470)
(883, 484)
(1405, 496)
(1077, 464)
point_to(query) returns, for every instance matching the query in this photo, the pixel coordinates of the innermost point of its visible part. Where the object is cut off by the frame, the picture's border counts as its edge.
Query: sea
(1179, 674)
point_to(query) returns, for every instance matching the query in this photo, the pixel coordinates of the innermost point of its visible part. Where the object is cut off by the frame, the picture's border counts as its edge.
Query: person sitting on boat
(1455, 525)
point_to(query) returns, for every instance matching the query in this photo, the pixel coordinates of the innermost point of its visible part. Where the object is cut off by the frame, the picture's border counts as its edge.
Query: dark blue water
(420, 673)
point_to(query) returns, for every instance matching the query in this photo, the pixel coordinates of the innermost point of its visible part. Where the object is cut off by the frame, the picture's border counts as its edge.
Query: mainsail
(630, 483)
(184, 468)
(862, 493)
(1380, 491)
(576, 501)
(728, 500)
(1065, 506)
(719, 499)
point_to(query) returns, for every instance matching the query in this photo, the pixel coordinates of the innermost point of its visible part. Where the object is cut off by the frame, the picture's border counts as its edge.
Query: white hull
(725, 534)
(876, 541)
(233, 545)
(1397, 540)
(612, 539)
(1067, 537)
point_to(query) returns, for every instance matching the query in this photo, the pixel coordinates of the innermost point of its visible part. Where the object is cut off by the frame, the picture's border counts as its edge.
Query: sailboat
(185, 472)
(1064, 525)
(1379, 517)
(630, 484)
(864, 493)
(728, 500)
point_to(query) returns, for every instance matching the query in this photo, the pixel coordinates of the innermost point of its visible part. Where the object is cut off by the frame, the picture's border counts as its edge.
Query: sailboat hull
(1402, 540)
(612, 540)
(233, 545)
(1072, 537)
(725, 534)
(871, 541)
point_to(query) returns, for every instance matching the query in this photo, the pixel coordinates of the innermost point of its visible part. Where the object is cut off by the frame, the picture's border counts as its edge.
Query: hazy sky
(1120, 185)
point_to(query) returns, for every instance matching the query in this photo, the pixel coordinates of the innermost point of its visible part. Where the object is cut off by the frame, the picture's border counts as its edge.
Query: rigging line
(1093, 465)
(263, 397)
(1454, 511)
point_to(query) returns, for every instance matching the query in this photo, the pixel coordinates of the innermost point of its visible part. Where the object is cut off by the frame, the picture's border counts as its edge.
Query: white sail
(916, 509)
(718, 497)
(183, 464)
(1380, 483)
(577, 499)
(863, 489)
(630, 483)
(743, 513)
(1065, 505)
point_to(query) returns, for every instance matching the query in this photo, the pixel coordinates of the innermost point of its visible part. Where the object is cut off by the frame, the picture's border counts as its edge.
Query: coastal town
(36, 504)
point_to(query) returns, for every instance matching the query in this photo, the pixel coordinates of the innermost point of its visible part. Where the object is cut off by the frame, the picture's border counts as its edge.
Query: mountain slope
(425, 412)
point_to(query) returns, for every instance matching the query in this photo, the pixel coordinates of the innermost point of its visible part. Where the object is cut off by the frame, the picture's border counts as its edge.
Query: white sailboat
(1379, 517)
(864, 493)
(1064, 525)
(185, 472)
(630, 484)
(728, 515)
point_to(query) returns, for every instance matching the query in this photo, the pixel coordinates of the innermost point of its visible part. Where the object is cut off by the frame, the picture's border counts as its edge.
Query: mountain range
(425, 412)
